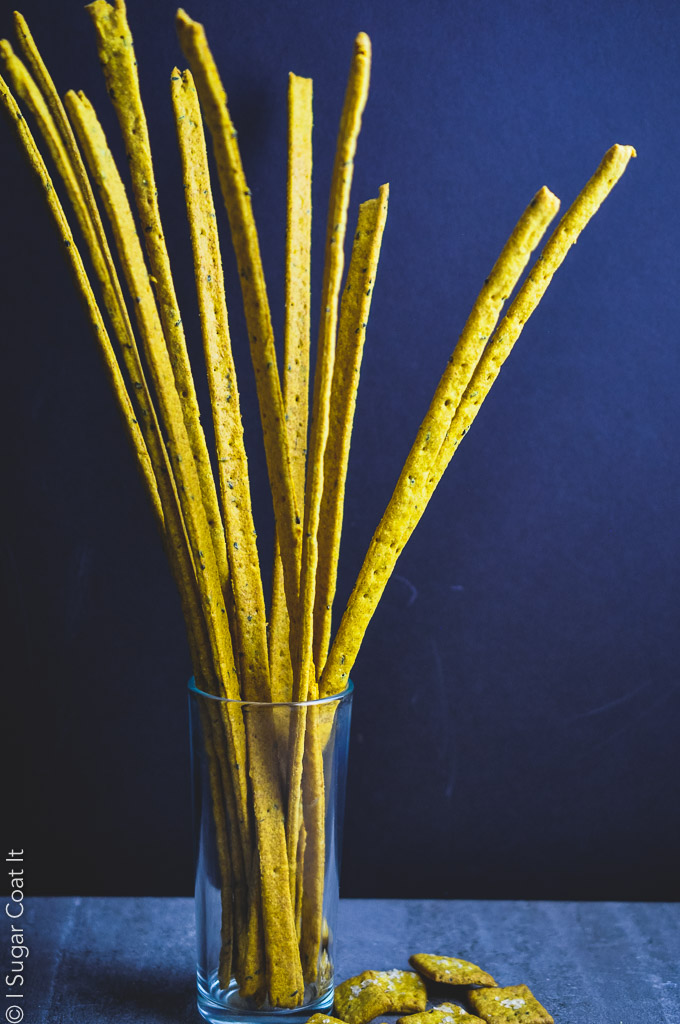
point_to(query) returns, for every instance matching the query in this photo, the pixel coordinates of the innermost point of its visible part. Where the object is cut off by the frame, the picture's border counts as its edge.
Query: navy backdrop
(517, 706)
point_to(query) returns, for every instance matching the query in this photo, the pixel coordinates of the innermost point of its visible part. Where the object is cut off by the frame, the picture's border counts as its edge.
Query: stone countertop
(130, 960)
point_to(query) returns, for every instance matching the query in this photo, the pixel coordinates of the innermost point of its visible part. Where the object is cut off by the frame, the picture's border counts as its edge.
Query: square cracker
(449, 970)
(514, 1004)
(444, 1013)
(372, 993)
(322, 1018)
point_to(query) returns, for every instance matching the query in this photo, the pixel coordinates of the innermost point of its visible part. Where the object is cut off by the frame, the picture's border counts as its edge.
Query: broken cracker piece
(444, 1013)
(449, 970)
(371, 993)
(514, 1004)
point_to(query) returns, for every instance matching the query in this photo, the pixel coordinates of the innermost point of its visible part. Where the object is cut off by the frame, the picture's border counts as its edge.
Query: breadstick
(303, 666)
(350, 125)
(117, 57)
(223, 857)
(352, 329)
(249, 599)
(570, 226)
(295, 352)
(224, 398)
(281, 951)
(314, 803)
(251, 970)
(118, 210)
(381, 558)
(354, 311)
(298, 271)
(299, 887)
(106, 174)
(116, 381)
(236, 195)
(51, 117)
(381, 555)
(243, 553)
(284, 973)
(69, 163)
(88, 218)
(55, 126)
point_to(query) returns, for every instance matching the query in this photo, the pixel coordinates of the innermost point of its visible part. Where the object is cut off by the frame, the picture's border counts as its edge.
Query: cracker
(321, 1018)
(444, 1013)
(449, 970)
(371, 993)
(514, 1004)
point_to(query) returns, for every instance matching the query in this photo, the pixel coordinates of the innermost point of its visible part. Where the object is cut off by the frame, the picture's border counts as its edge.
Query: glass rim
(333, 698)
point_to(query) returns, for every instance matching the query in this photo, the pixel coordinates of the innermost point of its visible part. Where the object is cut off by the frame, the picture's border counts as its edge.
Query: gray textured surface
(131, 960)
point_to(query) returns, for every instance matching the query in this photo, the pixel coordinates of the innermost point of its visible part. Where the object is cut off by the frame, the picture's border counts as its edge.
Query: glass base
(225, 1006)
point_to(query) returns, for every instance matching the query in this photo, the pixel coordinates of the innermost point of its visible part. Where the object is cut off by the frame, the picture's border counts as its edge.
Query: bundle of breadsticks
(272, 881)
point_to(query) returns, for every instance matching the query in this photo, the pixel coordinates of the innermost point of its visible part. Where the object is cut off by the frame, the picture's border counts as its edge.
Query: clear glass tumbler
(269, 791)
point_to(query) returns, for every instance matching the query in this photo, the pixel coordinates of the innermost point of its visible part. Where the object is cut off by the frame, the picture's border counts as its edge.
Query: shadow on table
(123, 995)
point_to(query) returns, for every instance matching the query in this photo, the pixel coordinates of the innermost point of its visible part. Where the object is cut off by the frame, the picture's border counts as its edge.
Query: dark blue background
(516, 710)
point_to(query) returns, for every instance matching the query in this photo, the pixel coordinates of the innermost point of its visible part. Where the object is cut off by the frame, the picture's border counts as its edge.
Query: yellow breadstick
(117, 57)
(236, 195)
(314, 806)
(295, 351)
(354, 311)
(117, 383)
(248, 595)
(299, 887)
(233, 473)
(351, 334)
(118, 210)
(381, 556)
(380, 560)
(223, 856)
(91, 227)
(57, 131)
(252, 975)
(248, 958)
(586, 204)
(243, 553)
(298, 272)
(231, 455)
(350, 125)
